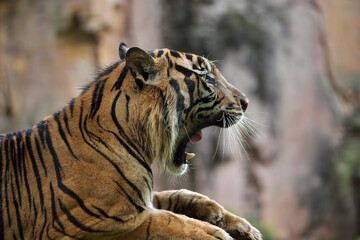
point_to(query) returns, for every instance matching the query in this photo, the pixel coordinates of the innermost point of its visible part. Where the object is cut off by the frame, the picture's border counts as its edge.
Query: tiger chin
(84, 172)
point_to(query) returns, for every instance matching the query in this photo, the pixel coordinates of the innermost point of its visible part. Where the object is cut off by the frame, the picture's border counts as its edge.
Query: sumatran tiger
(84, 172)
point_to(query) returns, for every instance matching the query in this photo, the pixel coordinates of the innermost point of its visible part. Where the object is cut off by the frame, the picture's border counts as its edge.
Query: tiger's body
(84, 172)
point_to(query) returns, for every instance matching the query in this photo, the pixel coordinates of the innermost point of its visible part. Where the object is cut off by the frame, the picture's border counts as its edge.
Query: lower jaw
(178, 170)
(180, 158)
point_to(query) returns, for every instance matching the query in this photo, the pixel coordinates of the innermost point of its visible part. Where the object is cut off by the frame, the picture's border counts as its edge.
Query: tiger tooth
(190, 156)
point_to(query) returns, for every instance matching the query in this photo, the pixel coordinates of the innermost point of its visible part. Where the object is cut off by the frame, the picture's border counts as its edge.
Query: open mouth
(196, 137)
(183, 157)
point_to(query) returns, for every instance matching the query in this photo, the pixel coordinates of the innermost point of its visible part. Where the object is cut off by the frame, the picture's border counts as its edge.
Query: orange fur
(84, 172)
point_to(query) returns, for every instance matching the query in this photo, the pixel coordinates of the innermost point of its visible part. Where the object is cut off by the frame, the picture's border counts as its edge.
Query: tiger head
(177, 95)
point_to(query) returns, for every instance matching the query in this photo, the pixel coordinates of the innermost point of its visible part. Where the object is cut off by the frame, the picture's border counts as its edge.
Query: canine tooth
(190, 156)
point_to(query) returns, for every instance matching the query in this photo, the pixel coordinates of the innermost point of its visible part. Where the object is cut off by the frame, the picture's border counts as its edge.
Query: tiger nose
(244, 101)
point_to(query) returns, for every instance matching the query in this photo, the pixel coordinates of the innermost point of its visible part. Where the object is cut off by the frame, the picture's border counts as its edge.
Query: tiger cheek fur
(84, 172)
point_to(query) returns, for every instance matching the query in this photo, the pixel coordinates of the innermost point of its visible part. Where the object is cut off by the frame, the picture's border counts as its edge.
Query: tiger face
(192, 95)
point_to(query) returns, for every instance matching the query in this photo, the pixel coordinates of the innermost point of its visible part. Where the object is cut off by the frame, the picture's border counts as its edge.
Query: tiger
(85, 172)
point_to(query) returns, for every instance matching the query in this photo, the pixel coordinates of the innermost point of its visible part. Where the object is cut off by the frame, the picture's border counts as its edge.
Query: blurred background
(296, 172)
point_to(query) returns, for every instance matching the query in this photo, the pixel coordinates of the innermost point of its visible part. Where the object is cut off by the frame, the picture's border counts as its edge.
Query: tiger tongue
(196, 137)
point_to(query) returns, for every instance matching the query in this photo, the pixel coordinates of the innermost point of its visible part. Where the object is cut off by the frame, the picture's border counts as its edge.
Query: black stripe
(102, 212)
(97, 97)
(160, 53)
(44, 224)
(71, 104)
(74, 221)
(7, 205)
(150, 187)
(190, 202)
(35, 214)
(123, 135)
(175, 54)
(120, 79)
(205, 86)
(191, 88)
(41, 132)
(207, 99)
(38, 148)
(217, 102)
(14, 161)
(195, 67)
(158, 202)
(189, 56)
(170, 200)
(142, 162)
(58, 167)
(90, 135)
(58, 230)
(109, 160)
(189, 83)
(187, 72)
(18, 217)
(207, 108)
(169, 61)
(63, 135)
(151, 53)
(198, 80)
(139, 83)
(53, 209)
(35, 168)
(47, 233)
(117, 167)
(180, 100)
(19, 155)
(200, 61)
(127, 107)
(138, 208)
(177, 203)
(93, 136)
(25, 174)
(176, 207)
(66, 121)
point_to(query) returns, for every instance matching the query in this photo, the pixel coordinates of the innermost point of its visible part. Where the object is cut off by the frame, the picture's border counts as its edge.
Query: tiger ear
(123, 48)
(140, 63)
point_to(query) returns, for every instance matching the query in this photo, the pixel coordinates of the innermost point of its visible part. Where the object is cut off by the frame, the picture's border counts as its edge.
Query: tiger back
(85, 171)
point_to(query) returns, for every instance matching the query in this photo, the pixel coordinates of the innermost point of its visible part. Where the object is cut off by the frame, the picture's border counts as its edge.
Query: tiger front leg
(164, 225)
(195, 205)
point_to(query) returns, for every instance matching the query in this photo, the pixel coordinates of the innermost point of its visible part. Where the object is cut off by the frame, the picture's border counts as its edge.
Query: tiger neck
(103, 132)
(144, 123)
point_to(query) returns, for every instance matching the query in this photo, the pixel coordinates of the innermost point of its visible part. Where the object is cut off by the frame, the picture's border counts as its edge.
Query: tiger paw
(210, 211)
(238, 227)
(192, 229)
